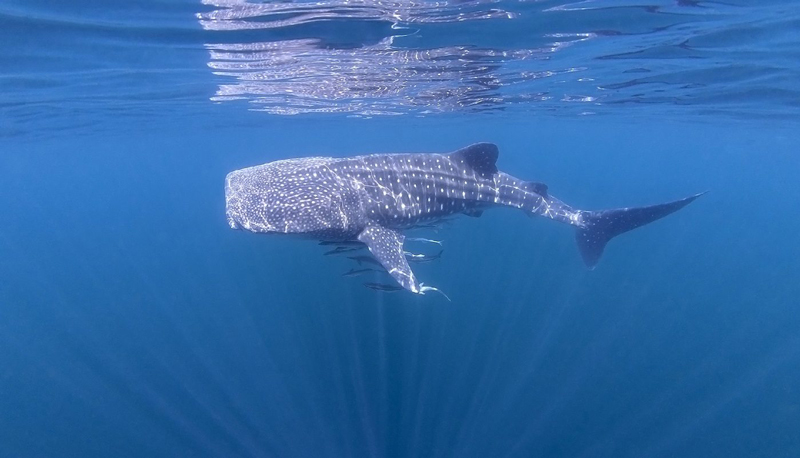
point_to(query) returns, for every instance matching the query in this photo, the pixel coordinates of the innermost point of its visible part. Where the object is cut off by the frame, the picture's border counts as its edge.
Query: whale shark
(374, 199)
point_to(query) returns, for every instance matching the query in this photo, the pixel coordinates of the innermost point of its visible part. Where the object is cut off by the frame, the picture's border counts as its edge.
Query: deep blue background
(134, 323)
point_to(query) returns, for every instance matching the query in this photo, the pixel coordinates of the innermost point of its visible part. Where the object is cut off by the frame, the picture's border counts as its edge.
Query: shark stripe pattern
(373, 199)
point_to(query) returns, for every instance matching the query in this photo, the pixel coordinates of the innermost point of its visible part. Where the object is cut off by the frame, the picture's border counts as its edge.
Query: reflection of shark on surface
(372, 199)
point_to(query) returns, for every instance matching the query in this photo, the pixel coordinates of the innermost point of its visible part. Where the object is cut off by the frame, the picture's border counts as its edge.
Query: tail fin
(601, 226)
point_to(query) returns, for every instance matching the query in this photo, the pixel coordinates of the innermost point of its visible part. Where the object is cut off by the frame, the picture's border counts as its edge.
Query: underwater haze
(135, 323)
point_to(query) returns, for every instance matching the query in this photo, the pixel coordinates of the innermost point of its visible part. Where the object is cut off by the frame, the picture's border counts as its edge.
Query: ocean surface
(135, 323)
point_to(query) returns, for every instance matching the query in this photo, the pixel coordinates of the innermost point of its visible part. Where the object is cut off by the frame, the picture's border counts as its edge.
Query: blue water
(135, 323)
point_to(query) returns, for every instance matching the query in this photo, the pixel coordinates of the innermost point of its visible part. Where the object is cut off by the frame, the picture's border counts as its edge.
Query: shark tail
(598, 227)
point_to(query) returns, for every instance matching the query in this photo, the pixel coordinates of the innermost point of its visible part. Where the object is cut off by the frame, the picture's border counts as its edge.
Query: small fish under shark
(355, 272)
(373, 199)
(340, 250)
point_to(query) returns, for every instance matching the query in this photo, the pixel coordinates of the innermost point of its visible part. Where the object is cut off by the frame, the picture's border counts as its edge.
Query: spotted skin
(373, 198)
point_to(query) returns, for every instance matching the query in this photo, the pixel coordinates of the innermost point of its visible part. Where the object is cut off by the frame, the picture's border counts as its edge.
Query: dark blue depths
(135, 321)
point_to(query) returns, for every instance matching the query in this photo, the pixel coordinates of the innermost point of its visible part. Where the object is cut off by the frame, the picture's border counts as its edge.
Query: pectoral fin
(386, 246)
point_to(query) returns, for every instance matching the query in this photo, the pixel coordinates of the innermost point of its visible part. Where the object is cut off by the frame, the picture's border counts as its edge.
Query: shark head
(283, 198)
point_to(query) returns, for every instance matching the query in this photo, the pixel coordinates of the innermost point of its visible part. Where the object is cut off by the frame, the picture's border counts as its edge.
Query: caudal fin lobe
(601, 226)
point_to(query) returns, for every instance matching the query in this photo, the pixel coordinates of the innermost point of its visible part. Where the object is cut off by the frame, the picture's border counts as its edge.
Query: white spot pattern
(372, 198)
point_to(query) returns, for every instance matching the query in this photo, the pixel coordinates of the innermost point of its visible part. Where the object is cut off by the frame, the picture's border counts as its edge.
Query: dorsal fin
(480, 157)
(538, 188)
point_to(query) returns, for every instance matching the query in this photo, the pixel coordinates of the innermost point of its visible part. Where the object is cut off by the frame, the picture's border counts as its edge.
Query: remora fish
(382, 287)
(373, 199)
(424, 240)
(340, 250)
(343, 243)
(354, 272)
(420, 258)
(365, 259)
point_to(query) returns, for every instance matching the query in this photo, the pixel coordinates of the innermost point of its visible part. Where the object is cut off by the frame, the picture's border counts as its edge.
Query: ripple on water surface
(400, 57)
(82, 64)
